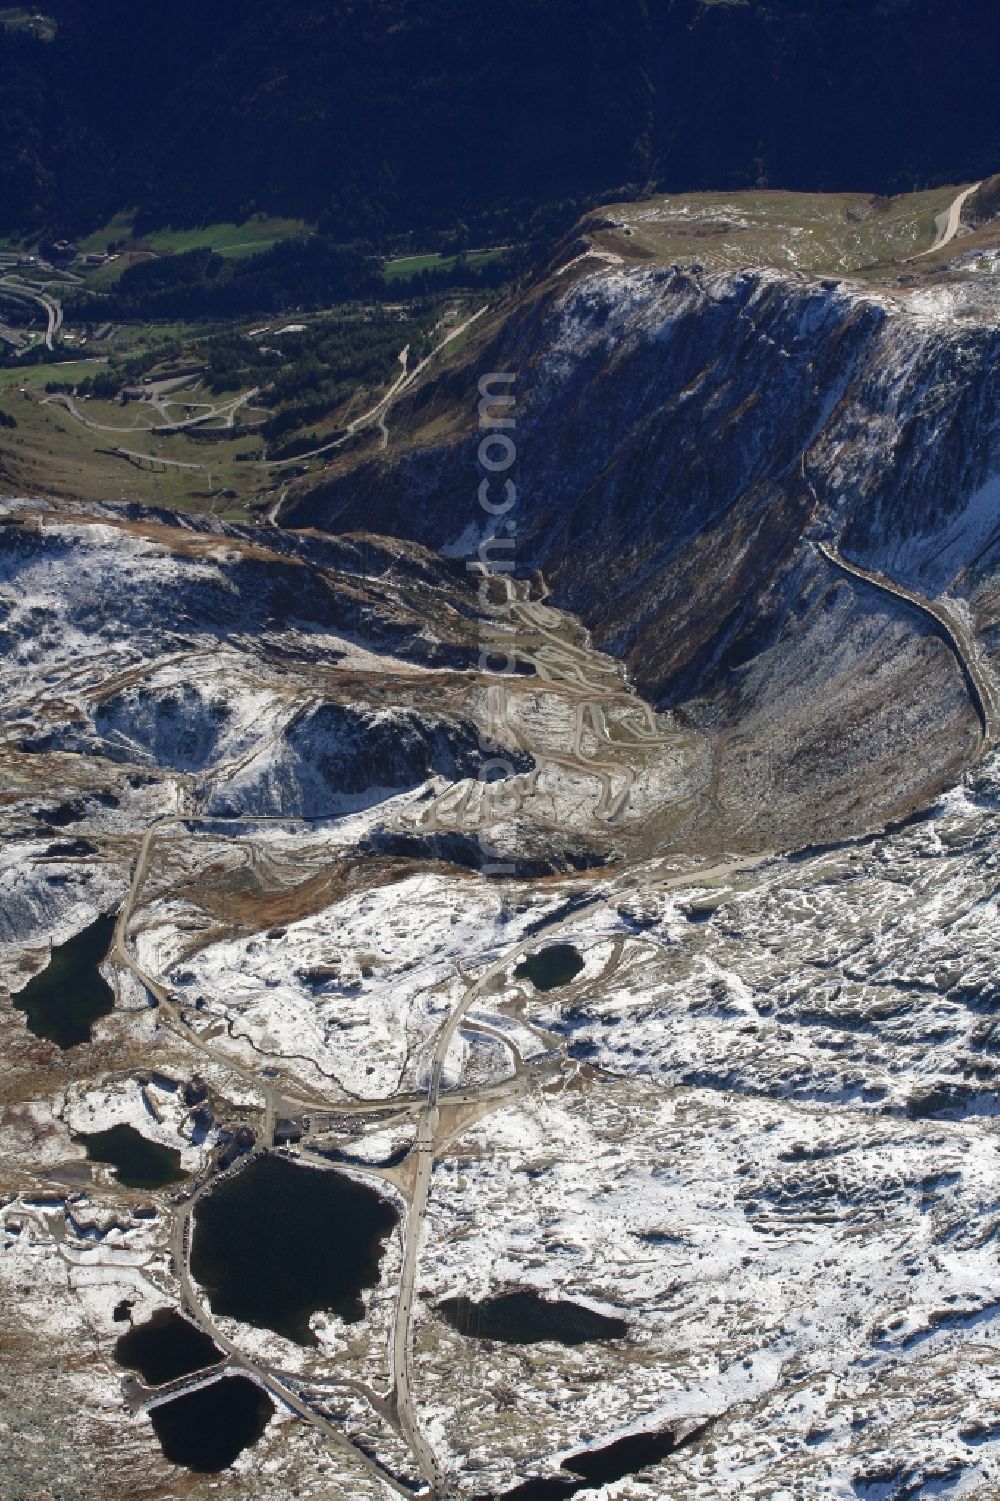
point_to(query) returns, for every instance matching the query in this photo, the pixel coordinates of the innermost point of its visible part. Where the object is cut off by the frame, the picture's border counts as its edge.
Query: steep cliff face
(677, 436)
(683, 441)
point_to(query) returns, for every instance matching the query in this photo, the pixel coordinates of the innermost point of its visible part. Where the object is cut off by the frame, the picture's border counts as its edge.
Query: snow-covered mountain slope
(215, 656)
(120, 584)
(335, 753)
(661, 413)
(682, 440)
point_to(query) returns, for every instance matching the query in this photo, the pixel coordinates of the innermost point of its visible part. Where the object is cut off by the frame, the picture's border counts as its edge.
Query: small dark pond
(591, 1468)
(206, 1430)
(551, 967)
(63, 1002)
(138, 1162)
(278, 1242)
(165, 1347)
(524, 1318)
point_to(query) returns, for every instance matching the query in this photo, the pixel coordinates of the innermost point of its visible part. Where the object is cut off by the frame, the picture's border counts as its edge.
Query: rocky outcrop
(338, 756)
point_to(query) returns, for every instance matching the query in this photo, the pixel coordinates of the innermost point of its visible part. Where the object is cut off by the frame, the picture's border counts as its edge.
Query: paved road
(53, 309)
(262, 1374)
(143, 1398)
(295, 1094)
(592, 684)
(154, 458)
(224, 413)
(950, 228)
(426, 1146)
(181, 1231)
(979, 679)
(375, 416)
(399, 1408)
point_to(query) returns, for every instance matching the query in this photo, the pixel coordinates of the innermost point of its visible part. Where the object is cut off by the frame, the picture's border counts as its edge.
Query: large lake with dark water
(278, 1242)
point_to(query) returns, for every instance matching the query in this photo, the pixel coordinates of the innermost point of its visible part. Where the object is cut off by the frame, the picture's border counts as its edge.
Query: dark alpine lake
(206, 1430)
(138, 1162)
(165, 1347)
(63, 1002)
(592, 1468)
(551, 967)
(522, 1318)
(278, 1242)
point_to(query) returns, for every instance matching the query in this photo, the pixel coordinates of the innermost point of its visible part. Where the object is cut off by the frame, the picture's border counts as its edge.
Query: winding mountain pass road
(590, 685)
(979, 679)
(375, 416)
(399, 1407)
(427, 1146)
(436, 1112)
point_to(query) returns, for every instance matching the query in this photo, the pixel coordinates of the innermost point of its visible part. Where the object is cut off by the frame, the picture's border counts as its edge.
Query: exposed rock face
(681, 441)
(527, 852)
(337, 750)
(180, 727)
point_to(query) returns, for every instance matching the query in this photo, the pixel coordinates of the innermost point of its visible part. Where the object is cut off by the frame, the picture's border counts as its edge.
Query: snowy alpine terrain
(691, 1110)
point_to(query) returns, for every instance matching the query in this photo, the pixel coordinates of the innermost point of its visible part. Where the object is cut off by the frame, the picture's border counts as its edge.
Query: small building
(164, 1082)
(239, 1143)
(287, 1133)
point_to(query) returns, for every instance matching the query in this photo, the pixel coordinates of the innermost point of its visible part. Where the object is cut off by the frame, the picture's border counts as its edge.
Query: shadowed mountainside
(682, 442)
